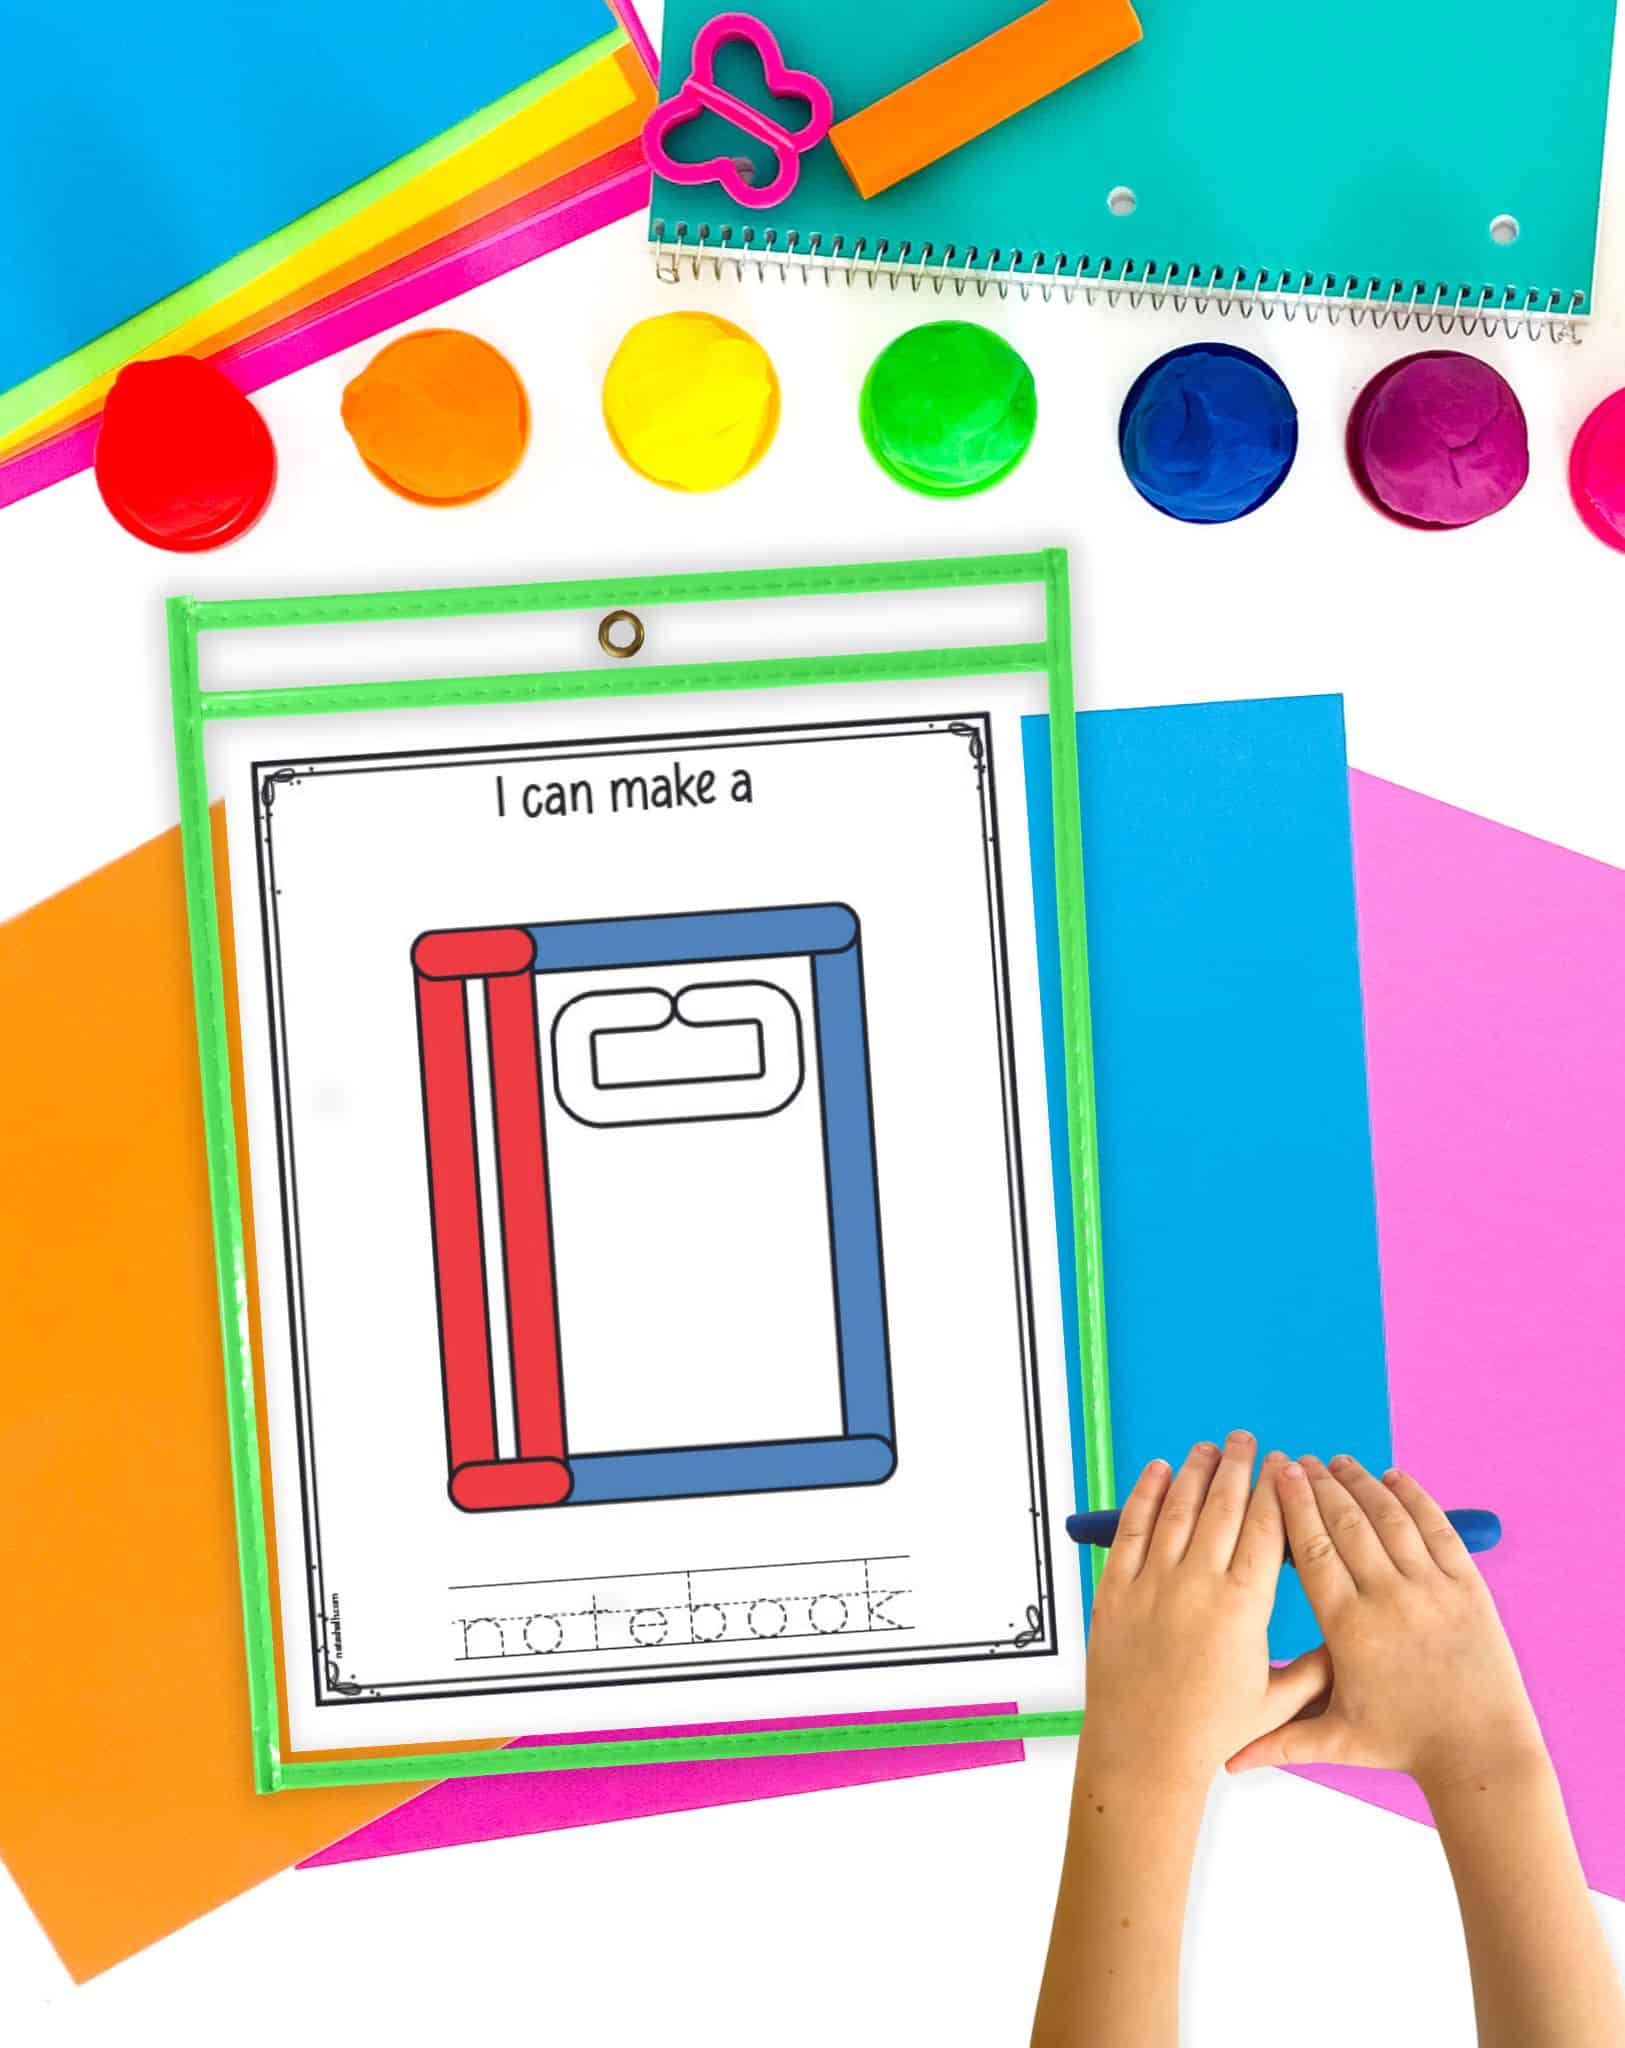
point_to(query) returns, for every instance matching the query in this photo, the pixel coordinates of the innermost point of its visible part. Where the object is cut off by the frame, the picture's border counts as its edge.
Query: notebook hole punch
(1121, 200)
(1504, 229)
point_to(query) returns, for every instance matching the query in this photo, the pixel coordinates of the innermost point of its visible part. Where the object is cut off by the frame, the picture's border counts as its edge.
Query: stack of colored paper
(263, 187)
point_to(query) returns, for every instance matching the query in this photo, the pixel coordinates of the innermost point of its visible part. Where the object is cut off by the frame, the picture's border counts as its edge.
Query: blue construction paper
(1340, 148)
(143, 149)
(1240, 1237)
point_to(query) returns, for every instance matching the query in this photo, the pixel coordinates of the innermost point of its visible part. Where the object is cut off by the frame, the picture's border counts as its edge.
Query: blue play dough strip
(593, 943)
(854, 1215)
(691, 1471)
(1208, 433)
(1239, 1219)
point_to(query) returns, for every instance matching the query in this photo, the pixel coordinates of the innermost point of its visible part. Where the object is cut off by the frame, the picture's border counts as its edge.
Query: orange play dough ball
(439, 416)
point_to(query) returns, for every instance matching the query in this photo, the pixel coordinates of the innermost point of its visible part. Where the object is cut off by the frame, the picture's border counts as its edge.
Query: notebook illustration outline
(528, 1073)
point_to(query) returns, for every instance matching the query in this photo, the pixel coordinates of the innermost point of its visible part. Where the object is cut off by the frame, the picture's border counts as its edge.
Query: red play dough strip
(183, 460)
(454, 1196)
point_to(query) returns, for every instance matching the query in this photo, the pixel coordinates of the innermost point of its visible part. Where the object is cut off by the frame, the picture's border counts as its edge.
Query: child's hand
(1179, 1673)
(1422, 1677)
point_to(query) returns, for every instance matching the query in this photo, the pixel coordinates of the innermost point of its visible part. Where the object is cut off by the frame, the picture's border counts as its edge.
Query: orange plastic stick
(942, 110)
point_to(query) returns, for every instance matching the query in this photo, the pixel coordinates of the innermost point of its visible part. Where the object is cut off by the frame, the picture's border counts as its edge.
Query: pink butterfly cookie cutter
(700, 93)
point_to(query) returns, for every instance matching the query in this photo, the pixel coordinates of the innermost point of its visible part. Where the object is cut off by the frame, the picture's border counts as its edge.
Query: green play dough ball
(948, 408)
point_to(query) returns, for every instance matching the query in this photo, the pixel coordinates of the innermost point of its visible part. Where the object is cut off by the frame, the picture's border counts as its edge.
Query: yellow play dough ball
(691, 401)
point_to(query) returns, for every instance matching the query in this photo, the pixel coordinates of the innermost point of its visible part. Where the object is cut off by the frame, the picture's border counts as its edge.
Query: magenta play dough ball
(1597, 472)
(1439, 440)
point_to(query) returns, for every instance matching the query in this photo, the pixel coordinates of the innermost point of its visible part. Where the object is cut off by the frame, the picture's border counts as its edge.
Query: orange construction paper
(127, 1805)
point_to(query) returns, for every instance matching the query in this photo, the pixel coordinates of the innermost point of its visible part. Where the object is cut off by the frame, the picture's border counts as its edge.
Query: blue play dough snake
(1208, 433)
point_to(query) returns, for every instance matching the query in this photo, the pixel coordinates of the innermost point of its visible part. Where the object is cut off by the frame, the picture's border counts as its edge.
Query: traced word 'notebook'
(1403, 154)
(625, 1081)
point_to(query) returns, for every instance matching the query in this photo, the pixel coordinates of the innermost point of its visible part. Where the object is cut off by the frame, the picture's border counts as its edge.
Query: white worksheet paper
(695, 1291)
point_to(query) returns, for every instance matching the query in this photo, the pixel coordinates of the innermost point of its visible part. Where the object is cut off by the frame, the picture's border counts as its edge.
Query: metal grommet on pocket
(628, 626)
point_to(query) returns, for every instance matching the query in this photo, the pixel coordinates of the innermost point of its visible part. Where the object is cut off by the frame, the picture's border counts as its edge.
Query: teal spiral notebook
(1419, 158)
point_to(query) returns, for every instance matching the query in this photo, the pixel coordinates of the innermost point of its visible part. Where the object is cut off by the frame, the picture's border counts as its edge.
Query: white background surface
(1483, 668)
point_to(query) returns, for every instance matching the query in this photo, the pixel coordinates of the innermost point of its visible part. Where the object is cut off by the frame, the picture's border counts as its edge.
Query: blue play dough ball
(1208, 433)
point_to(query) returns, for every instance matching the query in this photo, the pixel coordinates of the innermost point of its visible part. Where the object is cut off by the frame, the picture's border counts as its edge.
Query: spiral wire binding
(1531, 314)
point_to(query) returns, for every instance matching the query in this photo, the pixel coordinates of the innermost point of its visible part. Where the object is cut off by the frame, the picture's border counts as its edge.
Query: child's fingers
(1261, 1546)
(1135, 1523)
(1299, 1684)
(1293, 1692)
(1349, 1527)
(1326, 1580)
(1323, 1739)
(1181, 1506)
(1445, 1547)
(1219, 1525)
(1396, 1531)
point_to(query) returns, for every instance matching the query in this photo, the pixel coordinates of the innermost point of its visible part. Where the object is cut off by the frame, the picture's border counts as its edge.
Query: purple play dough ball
(1440, 440)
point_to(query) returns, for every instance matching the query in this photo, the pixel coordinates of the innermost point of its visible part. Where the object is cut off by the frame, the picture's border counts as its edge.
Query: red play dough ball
(1597, 471)
(183, 461)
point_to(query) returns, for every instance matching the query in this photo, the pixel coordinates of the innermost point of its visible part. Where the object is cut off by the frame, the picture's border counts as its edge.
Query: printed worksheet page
(650, 1173)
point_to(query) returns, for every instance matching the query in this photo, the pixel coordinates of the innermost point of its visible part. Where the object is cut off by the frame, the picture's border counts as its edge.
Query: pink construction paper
(491, 1809)
(327, 327)
(1494, 974)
